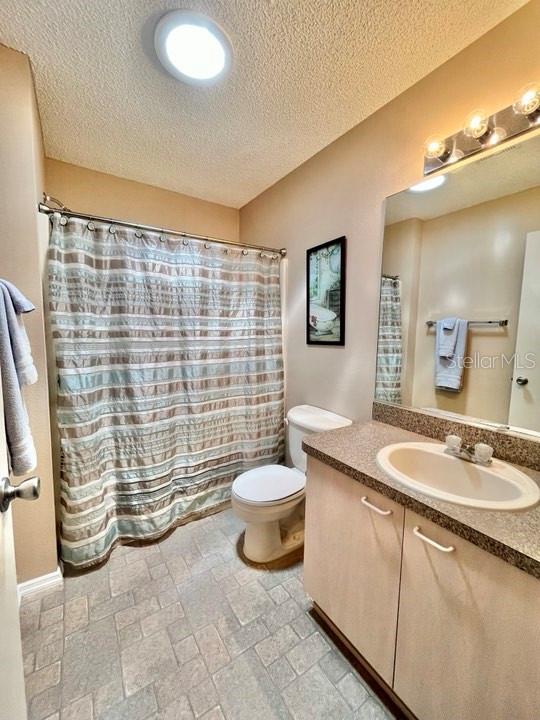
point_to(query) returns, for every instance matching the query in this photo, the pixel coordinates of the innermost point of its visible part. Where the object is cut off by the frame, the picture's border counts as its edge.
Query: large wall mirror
(459, 325)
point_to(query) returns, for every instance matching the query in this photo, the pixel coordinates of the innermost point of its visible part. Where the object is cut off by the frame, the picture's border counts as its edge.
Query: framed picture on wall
(325, 302)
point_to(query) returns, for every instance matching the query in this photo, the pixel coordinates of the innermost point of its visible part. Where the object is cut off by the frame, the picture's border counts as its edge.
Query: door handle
(28, 489)
(373, 507)
(433, 543)
(522, 380)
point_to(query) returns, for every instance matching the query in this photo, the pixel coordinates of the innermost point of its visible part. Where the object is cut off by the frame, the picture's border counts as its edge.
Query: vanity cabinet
(454, 632)
(352, 561)
(468, 636)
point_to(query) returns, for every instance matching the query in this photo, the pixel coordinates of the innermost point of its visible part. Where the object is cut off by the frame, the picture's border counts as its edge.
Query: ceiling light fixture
(430, 184)
(192, 47)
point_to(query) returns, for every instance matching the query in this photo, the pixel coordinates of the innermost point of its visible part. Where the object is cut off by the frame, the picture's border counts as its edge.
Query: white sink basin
(427, 468)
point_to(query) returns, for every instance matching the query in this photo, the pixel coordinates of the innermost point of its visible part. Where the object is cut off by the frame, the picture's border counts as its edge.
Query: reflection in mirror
(459, 326)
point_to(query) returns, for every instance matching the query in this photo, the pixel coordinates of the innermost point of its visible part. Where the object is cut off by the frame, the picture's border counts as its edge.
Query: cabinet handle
(429, 541)
(374, 507)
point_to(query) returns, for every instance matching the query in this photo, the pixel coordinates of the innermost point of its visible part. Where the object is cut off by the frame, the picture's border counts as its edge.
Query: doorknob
(522, 380)
(26, 490)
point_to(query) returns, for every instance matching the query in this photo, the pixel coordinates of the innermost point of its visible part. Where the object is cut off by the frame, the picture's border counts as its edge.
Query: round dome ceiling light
(429, 184)
(191, 47)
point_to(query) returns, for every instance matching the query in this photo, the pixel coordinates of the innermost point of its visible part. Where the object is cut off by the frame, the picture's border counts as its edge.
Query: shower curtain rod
(63, 210)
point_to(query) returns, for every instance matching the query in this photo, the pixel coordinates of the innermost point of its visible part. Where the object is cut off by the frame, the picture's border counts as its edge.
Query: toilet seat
(269, 485)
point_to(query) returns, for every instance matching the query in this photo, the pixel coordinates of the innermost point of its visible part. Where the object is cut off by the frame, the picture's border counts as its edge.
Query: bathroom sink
(427, 468)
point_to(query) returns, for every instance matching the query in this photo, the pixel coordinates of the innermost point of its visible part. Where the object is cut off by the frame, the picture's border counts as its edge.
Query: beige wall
(341, 191)
(21, 183)
(89, 191)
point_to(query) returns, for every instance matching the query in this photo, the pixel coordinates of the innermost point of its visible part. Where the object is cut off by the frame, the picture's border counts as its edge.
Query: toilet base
(264, 542)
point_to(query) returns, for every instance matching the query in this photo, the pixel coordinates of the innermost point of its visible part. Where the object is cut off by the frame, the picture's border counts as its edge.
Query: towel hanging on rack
(17, 368)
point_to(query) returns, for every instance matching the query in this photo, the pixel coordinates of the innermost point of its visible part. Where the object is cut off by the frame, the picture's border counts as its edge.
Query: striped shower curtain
(389, 348)
(170, 378)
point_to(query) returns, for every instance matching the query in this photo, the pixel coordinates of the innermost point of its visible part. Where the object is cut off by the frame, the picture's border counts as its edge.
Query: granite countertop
(512, 536)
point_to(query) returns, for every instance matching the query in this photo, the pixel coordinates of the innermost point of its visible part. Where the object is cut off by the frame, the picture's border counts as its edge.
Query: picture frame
(325, 293)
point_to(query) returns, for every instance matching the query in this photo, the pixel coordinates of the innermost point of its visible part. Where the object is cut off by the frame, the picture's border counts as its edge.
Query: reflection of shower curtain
(170, 378)
(389, 349)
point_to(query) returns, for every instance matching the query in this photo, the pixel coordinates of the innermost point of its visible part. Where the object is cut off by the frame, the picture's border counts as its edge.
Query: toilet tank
(304, 420)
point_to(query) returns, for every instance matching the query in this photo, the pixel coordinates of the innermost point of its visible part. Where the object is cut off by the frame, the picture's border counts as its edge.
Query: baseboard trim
(40, 584)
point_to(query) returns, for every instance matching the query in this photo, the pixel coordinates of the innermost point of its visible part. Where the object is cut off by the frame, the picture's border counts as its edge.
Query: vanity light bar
(482, 131)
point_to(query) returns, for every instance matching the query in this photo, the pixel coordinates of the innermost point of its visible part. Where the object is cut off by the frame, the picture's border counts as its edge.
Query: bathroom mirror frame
(440, 413)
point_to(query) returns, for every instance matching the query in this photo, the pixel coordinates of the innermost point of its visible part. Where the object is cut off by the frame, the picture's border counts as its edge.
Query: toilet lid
(269, 483)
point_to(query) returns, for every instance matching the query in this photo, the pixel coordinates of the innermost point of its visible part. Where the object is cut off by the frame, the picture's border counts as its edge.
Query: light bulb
(528, 101)
(435, 147)
(476, 124)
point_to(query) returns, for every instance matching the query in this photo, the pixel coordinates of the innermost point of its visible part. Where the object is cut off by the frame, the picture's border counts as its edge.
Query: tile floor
(184, 629)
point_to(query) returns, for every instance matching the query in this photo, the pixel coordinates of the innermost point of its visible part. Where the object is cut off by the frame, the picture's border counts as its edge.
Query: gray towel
(447, 334)
(17, 368)
(449, 369)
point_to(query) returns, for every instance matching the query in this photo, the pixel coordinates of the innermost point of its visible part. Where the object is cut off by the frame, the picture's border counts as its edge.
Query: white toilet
(270, 498)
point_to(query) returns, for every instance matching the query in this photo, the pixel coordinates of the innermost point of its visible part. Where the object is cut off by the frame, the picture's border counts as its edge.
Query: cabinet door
(352, 561)
(468, 631)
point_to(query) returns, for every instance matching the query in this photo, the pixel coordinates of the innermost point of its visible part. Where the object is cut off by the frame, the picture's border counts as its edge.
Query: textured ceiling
(305, 72)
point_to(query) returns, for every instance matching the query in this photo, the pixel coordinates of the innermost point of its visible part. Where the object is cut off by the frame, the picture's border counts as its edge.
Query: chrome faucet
(480, 454)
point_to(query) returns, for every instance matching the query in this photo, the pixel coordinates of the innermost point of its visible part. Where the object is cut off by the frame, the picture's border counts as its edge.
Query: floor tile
(244, 688)
(273, 647)
(249, 602)
(282, 615)
(91, 657)
(186, 650)
(334, 666)
(313, 697)
(212, 648)
(76, 614)
(352, 690)
(136, 707)
(128, 578)
(308, 652)
(81, 709)
(147, 660)
(45, 704)
(182, 680)
(203, 697)
(162, 619)
(43, 679)
(180, 709)
(371, 710)
(281, 673)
